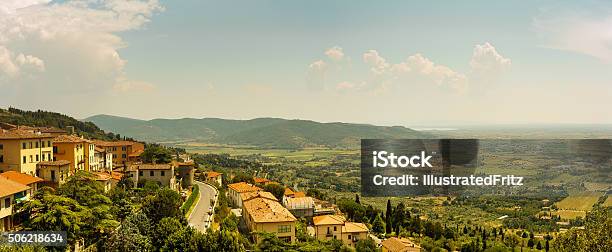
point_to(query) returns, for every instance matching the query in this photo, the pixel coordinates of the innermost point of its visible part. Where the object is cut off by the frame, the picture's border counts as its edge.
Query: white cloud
(377, 63)
(486, 59)
(11, 65)
(72, 45)
(581, 32)
(335, 53)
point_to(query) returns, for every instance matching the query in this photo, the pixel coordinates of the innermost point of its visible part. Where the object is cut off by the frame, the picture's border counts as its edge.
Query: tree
(388, 214)
(155, 153)
(357, 199)
(276, 189)
(512, 241)
(269, 242)
(539, 246)
(166, 227)
(166, 203)
(243, 177)
(530, 243)
(594, 237)
(365, 245)
(230, 223)
(185, 239)
(378, 226)
(133, 235)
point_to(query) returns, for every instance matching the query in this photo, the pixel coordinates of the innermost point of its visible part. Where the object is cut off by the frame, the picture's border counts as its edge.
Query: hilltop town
(117, 194)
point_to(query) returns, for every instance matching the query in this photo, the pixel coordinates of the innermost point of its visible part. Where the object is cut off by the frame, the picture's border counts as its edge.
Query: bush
(192, 198)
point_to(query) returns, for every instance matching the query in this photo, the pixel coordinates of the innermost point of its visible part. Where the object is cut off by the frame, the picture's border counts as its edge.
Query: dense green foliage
(42, 118)
(261, 132)
(191, 199)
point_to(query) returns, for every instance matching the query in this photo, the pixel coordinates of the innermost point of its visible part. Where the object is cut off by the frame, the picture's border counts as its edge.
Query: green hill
(41, 118)
(261, 132)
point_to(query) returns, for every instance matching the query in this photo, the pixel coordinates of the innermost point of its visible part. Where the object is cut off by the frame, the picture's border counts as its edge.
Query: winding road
(199, 217)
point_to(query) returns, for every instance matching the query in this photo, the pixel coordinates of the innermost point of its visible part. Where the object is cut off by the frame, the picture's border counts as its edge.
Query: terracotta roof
(69, 139)
(299, 203)
(136, 167)
(136, 153)
(22, 134)
(117, 175)
(288, 192)
(261, 180)
(299, 195)
(395, 244)
(20, 178)
(113, 143)
(354, 227)
(243, 187)
(9, 187)
(245, 196)
(328, 220)
(213, 174)
(98, 149)
(266, 210)
(54, 163)
(101, 176)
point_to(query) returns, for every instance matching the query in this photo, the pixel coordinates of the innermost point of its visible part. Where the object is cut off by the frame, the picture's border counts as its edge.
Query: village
(32, 158)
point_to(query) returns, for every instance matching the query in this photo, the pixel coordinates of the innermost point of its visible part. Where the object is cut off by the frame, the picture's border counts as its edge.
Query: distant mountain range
(260, 132)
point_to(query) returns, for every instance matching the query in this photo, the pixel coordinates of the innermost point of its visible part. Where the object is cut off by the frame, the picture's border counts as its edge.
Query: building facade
(54, 173)
(71, 148)
(21, 150)
(266, 215)
(9, 191)
(328, 227)
(234, 191)
(161, 173)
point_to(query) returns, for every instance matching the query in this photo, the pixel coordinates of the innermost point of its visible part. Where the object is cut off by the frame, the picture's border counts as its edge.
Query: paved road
(199, 216)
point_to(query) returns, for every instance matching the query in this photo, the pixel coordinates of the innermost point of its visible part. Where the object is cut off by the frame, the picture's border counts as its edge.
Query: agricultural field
(569, 214)
(580, 201)
(608, 202)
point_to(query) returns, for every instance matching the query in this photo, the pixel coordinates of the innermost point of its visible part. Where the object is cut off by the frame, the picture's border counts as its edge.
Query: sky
(403, 63)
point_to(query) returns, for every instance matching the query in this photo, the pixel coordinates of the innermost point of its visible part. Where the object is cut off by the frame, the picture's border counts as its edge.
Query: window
(43, 157)
(7, 202)
(163, 173)
(48, 143)
(335, 228)
(24, 159)
(284, 228)
(139, 173)
(349, 236)
(1, 146)
(114, 148)
(53, 176)
(114, 155)
(123, 148)
(31, 159)
(30, 145)
(42, 144)
(23, 145)
(55, 149)
(36, 157)
(49, 155)
(123, 156)
(1, 159)
(36, 144)
(152, 173)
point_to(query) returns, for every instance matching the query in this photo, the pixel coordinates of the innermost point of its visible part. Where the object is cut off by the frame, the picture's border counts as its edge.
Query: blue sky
(380, 62)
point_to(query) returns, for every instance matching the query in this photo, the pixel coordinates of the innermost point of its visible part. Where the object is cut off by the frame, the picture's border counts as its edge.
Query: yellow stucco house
(328, 227)
(54, 173)
(71, 148)
(234, 190)
(9, 191)
(21, 150)
(263, 214)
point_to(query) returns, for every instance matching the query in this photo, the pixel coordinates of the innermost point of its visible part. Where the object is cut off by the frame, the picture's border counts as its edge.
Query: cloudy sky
(379, 62)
